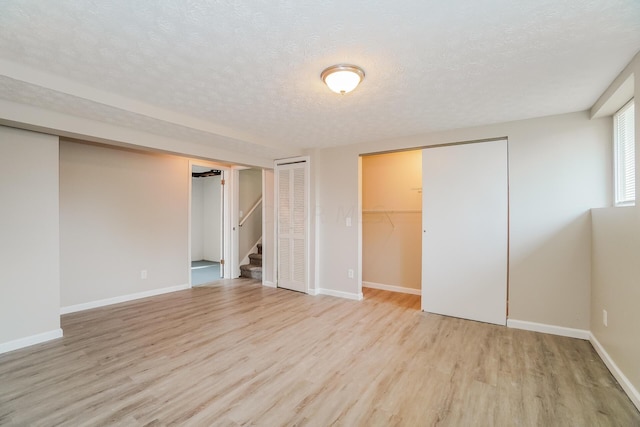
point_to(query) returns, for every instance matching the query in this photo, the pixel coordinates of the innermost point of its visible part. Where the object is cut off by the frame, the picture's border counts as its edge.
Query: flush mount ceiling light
(342, 78)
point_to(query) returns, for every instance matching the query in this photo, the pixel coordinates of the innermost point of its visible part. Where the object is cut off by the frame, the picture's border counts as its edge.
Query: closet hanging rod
(388, 211)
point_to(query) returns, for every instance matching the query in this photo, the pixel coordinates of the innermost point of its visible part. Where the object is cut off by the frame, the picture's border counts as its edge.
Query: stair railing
(253, 208)
(256, 238)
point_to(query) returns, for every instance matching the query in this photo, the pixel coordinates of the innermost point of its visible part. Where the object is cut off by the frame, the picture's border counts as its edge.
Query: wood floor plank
(235, 353)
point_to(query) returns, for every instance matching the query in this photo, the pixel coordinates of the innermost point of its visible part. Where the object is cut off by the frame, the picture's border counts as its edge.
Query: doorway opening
(250, 222)
(392, 222)
(207, 224)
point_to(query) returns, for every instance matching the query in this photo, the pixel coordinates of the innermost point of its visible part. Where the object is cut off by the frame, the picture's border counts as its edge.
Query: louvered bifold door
(284, 227)
(292, 226)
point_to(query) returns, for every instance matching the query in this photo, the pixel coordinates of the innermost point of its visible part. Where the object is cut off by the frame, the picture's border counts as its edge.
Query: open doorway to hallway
(226, 222)
(207, 224)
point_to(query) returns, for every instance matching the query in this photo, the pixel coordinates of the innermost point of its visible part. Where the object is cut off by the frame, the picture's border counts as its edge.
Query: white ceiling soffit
(246, 75)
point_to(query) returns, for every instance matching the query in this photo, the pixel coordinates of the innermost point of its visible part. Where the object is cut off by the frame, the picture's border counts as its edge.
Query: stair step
(251, 271)
(259, 248)
(255, 259)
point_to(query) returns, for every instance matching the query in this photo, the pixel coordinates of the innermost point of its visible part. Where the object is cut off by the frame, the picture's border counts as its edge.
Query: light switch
(348, 221)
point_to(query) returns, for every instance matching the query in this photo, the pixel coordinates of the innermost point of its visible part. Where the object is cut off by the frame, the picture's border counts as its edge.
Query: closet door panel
(465, 231)
(292, 226)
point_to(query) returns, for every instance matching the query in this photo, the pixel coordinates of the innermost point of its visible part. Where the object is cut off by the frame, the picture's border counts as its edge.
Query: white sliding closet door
(465, 231)
(292, 226)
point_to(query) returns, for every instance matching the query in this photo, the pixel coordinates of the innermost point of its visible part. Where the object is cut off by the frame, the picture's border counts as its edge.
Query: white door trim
(226, 216)
(269, 264)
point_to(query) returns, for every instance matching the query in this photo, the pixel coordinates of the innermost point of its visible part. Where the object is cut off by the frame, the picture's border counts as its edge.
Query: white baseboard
(392, 288)
(339, 294)
(269, 284)
(622, 379)
(549, 329)
(122, 298)
(31, 340)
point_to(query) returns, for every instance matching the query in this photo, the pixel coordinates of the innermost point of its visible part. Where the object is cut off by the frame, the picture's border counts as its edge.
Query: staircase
(254, 269)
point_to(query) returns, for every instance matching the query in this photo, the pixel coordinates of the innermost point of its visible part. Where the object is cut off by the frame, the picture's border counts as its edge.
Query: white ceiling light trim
(342, 78)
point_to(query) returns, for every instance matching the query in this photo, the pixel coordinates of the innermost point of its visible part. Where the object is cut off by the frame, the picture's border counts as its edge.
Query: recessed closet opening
(392, 223)
(435, 223)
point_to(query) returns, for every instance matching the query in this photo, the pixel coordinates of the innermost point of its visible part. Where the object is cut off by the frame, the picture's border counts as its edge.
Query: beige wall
(336, 178)
(392, 219)
(29, 246)
(616, 270)
(250, 188)
(559, 169)
(616, 287)
(121, 212)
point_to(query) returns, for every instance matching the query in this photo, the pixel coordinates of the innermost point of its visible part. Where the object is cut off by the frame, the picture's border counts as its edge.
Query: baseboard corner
(625, 383)
(562, 331)
(391, 288)
(340, 294)
(30, 340)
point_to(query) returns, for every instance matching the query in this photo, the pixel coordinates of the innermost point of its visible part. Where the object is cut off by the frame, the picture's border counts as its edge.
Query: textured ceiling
(245, 75)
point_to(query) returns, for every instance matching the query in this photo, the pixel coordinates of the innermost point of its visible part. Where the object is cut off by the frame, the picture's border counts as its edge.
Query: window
(624, 155)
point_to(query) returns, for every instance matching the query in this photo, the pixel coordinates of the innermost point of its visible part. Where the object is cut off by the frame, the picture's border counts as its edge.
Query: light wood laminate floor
(236, 353)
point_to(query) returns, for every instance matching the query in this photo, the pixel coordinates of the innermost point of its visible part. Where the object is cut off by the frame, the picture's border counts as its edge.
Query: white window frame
(621, 156)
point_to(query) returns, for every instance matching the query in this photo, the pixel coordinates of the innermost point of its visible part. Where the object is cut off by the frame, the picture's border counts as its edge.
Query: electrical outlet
(143, 274)
(605, 319)
(350, 273)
